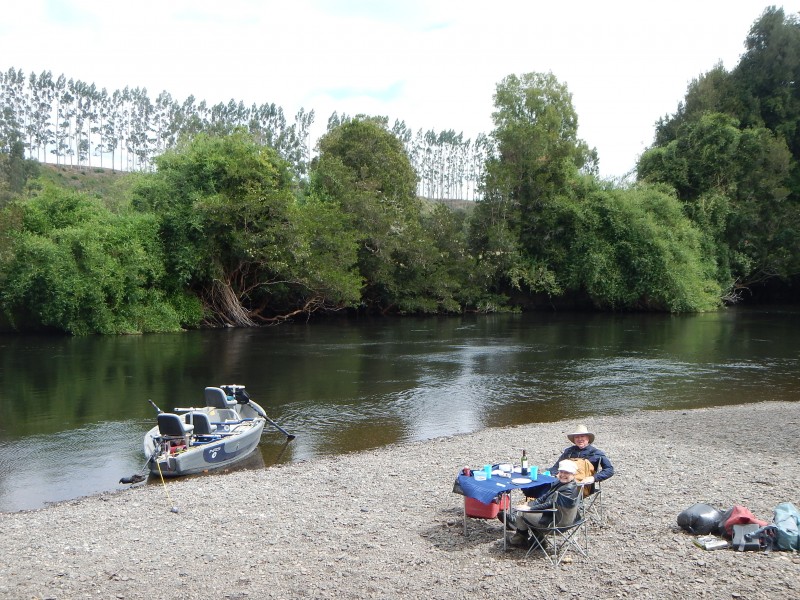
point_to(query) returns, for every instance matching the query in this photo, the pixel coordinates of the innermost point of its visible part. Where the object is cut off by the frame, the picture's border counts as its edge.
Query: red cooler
(479, 510)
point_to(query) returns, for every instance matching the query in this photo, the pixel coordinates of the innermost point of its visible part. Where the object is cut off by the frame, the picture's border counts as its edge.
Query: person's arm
(544, 503)
(604, 468)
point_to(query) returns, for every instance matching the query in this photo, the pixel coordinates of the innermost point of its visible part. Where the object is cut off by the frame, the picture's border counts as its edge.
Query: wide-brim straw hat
(581, 430)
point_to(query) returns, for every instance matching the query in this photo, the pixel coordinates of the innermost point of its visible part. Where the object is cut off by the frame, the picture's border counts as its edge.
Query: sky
(433, 64)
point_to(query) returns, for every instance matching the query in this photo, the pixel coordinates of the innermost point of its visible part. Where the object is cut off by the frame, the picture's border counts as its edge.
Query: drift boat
(195, 440)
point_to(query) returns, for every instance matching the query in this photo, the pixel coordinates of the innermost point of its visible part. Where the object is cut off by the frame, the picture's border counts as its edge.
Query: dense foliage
(732, 153)
(235, 234)
(71, 265)
(230, 230)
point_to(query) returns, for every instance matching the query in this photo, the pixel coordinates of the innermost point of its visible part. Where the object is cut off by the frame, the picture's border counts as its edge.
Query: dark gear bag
(747, 537)
(700, 519)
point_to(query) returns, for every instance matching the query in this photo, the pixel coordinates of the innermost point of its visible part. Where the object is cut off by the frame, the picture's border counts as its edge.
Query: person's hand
(588, 480)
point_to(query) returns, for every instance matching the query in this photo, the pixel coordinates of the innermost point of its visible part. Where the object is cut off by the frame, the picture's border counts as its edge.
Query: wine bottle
(524, 462)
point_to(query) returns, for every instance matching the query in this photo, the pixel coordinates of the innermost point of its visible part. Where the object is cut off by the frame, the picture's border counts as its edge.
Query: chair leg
(541, 544)
(595, 510)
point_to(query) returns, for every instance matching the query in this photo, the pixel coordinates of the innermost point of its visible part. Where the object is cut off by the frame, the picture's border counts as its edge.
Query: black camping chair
(567, 529)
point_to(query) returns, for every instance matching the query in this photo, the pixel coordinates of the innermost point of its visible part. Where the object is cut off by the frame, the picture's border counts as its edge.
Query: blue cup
(533, 473)
(488, 470)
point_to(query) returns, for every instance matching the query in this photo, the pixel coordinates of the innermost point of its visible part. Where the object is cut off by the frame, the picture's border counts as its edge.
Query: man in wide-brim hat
(582, 440)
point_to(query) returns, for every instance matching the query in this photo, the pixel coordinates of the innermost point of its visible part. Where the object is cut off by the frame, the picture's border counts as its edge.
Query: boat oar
(288, 435)
(153, 404)
(262, 414)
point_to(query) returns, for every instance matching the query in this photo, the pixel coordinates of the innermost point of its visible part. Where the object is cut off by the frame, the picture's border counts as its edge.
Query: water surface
(75, 409)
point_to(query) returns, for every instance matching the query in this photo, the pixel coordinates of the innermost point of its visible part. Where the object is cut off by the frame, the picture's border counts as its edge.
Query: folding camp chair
(567, 530)
(593, 505)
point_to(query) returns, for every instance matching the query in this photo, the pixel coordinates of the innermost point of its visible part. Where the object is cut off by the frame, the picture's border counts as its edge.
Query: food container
(479, 475)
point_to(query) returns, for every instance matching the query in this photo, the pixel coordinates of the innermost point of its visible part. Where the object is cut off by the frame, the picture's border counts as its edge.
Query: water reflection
(75, 410)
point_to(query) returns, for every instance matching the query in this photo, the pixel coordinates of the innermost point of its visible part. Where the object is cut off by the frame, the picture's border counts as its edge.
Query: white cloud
(433, 64)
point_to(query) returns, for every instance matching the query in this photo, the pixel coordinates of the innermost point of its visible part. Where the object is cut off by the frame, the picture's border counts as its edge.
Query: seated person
(582, 441)
(563, 495)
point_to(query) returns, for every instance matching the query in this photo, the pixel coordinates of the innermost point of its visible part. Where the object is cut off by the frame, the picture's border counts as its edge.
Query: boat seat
(223, 415)
(217, 398)
(202, 424)
(172, 426)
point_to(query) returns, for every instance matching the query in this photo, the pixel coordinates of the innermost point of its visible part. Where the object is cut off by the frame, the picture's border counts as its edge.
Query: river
(74, 410)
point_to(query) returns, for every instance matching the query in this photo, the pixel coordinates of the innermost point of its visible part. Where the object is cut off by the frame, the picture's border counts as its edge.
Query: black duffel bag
(700, 519)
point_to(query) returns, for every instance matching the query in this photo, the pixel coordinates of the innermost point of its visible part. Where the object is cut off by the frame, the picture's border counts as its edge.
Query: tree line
(226, 230)
(72, 122)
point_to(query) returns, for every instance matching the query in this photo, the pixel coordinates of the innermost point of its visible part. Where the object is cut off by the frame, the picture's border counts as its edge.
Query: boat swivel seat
(171, 427)
(217, 398)
(202, 424)
(221, 405)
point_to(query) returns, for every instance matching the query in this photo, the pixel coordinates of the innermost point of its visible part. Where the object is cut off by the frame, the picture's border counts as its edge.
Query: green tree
(635, 249)
(236, 236)
(71, 265)
(538, 161)
(412, 258)
(735, 185)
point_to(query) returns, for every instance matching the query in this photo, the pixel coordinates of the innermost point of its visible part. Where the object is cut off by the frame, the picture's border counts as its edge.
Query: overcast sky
(434, 64)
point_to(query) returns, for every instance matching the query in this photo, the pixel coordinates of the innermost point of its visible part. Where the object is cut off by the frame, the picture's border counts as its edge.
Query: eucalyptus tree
(15, 107)
(59, 135)
(40, 127)
(85, 118)
(102, 128)
(140, 138)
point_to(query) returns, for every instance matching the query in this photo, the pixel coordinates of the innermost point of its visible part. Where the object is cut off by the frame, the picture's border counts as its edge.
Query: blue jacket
(603, 469)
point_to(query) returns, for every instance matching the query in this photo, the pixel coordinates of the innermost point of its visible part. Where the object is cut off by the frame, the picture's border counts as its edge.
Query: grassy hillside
(111, 186)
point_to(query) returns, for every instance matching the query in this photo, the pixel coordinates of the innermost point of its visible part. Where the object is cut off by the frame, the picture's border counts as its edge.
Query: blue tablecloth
(487, 490)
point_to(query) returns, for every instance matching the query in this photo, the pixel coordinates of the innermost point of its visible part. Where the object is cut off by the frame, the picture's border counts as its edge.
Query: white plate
(520, 480)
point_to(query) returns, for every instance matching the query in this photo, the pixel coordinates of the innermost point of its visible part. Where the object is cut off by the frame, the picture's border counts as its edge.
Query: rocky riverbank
(385, 523)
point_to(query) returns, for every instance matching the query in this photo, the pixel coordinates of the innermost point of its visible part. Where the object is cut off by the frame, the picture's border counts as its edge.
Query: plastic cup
(488, 470)
(533, 472)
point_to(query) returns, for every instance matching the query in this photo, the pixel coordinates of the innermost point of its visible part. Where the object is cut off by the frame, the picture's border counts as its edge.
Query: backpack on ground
(786, 523)
(737, 515)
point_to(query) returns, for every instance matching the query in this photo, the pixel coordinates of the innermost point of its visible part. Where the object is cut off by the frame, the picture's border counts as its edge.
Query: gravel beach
(385, 523)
